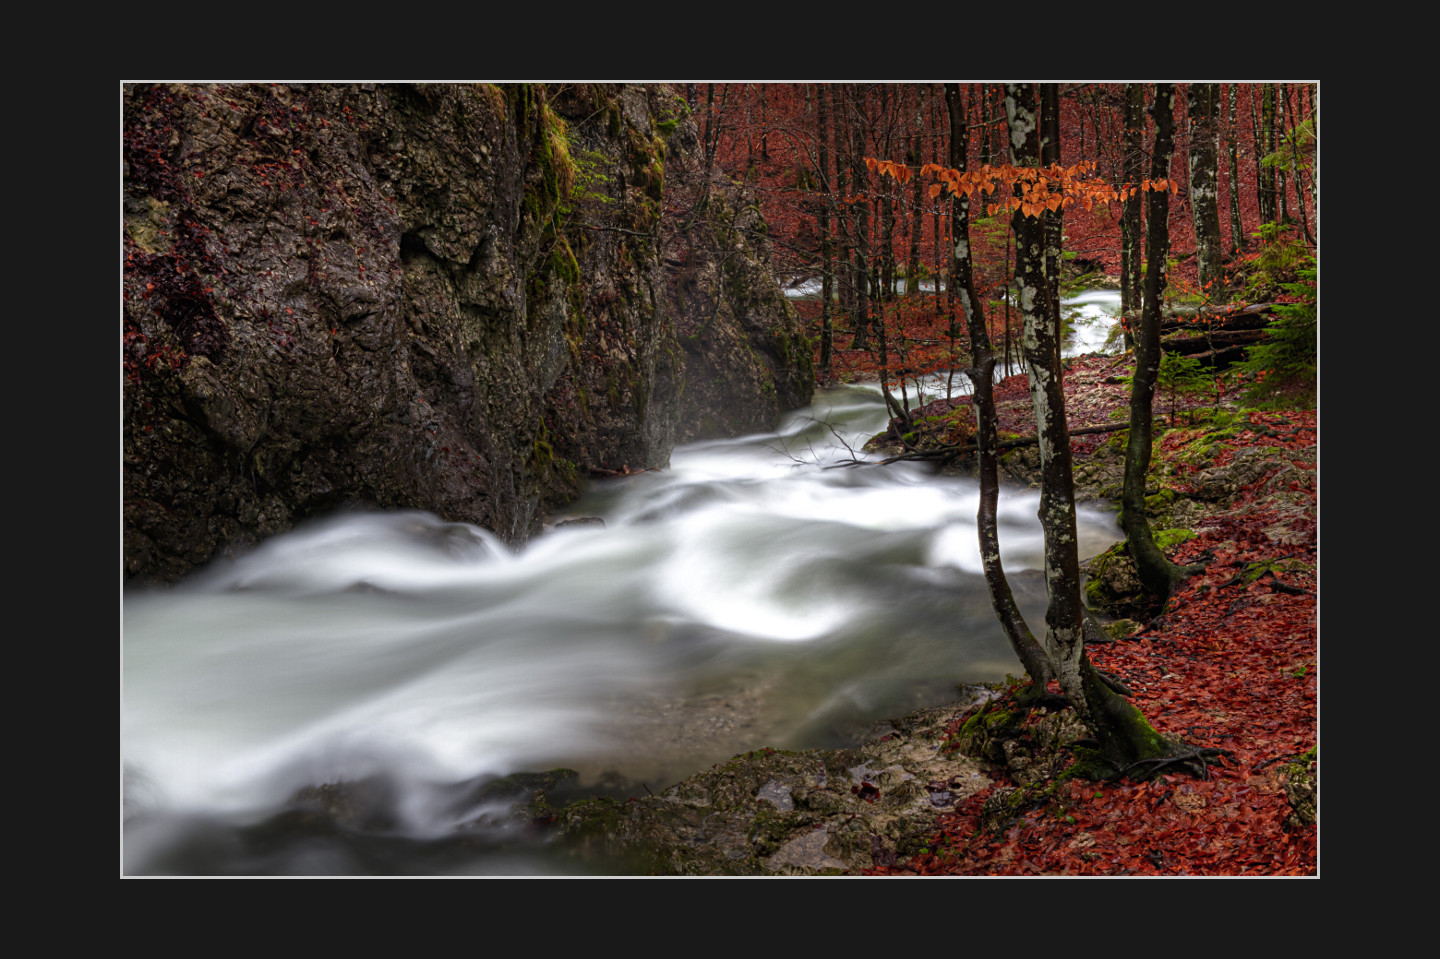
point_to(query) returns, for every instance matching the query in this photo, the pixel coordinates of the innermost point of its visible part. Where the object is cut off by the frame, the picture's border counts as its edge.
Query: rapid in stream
(755, 593)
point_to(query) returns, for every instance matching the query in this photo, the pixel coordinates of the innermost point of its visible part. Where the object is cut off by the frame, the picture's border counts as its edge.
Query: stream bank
(972, 788)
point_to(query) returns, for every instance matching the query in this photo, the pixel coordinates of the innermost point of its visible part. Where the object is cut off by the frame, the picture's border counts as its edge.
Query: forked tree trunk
(982, 379)
(1124, 735)
(1064, 632)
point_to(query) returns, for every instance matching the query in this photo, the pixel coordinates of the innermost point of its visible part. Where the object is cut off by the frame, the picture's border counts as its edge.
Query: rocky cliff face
(746, 358)
(449, 298)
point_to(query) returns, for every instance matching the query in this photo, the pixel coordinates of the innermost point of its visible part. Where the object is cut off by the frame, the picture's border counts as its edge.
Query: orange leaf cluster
(899, 171)
(1031, 190)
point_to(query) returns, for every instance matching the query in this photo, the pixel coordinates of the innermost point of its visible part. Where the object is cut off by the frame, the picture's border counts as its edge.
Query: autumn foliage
(1232, 664)
(1030, 190)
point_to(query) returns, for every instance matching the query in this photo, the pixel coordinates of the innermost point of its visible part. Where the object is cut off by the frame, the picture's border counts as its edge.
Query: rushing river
(757, 592)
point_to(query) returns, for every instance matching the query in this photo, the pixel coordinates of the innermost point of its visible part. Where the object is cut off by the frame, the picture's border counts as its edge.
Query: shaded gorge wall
(452, 298)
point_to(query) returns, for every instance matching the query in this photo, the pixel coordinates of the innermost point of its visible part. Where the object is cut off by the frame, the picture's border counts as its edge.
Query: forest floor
(978, 787)
(1232, 663)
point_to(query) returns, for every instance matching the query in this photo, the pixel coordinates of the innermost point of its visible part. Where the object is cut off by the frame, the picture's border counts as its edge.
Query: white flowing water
(746, 596)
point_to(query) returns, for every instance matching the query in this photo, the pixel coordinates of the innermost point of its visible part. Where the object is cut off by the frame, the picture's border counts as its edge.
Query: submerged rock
(781, 812)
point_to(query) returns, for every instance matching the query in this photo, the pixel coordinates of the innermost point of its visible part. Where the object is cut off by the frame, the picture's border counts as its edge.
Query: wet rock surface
(781, 812)
(429, 296)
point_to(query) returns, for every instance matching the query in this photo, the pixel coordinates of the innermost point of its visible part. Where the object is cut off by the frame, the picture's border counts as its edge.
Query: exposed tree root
(1197, 761)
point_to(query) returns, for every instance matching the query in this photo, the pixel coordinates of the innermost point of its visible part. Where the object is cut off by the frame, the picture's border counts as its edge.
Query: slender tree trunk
(886, 252)
(917, 217)
(1257, 147)
(982, 378)
(827, 257)
(764, 128)
(1315, 172)
(1054, 220)
(1204, 187)
(1296, 119)
(861, 209)
(1280, 168)
(1237, 229)
(839, 111)
(1158, 574)
(1268, 207)
(711, 142)
(935, 223)
(1064, 628)
(1122, 731)
(1131, 217)
(749, 138)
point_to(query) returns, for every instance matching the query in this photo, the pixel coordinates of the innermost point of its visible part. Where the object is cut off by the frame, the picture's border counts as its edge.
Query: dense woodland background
(1243, 158)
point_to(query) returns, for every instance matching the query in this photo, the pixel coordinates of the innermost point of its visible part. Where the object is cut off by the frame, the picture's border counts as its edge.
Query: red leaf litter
(1233, 664)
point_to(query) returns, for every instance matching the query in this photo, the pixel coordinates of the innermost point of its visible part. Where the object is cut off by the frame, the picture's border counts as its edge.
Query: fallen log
(1253, 316)
(1190, 345)
(955, 450)
(1220, 359)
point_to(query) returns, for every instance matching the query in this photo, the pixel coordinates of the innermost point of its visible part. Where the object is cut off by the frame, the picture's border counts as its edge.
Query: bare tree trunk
(917, 218)
(982, 379)
(827, 257)
(839, 111)
(1315, 173)
(1064, 635)
(1054, 219)
(861, 209)
(764, 128)
(1064, 630)
(1124, 735)
(1296, 119)
(1280, 169)
(1237, 229)
(885, 260)
(749, 140)
(1204, 187)
(1131, 217)
(1263, 148)
(1064, 624)
(935, 228)
(1158, 574)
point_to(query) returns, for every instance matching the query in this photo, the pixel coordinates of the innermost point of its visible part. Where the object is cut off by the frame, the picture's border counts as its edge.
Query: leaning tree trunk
(1124, 735)
(982, 379)
(1130, 217)
(1158, 575)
